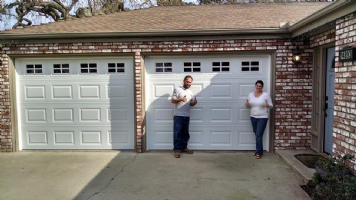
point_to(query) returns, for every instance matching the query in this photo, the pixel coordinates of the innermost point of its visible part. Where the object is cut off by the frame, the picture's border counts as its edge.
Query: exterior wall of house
(345, 90)
(344, 132)
(292, 90)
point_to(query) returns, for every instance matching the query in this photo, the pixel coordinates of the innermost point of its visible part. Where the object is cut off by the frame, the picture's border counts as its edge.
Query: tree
(24, 11)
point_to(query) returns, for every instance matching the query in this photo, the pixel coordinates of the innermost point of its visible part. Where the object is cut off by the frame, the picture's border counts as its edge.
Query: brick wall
(323, 38)
(5, 115)
(345, 90)
(293, 82)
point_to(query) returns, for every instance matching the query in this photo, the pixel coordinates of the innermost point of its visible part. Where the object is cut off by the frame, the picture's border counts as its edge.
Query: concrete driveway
(151, 175)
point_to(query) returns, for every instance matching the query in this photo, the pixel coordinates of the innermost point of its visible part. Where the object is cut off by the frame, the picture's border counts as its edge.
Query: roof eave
(5, 37)
(320, 14)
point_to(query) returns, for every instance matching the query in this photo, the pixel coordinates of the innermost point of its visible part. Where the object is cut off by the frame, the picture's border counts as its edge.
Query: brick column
(5, 109)
(138, 101)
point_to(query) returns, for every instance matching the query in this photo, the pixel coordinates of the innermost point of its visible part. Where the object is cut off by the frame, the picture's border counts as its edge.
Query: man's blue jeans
(259, 126)
(180, 132)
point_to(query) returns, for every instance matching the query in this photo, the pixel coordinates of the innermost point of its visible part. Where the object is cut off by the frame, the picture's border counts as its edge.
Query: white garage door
(221, 84)
(85, 103)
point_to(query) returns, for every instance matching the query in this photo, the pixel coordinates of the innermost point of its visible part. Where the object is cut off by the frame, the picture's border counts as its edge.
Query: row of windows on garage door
(160, 67)
(92, 111)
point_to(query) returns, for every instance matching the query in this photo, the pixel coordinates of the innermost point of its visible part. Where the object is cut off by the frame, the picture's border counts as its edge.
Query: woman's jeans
(180, 132)
(259, 126)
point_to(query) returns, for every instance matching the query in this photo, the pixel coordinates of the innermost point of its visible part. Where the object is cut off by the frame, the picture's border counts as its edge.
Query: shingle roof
(168, 18)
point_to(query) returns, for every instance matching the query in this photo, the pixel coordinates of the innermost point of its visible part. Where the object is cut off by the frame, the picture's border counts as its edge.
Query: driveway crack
(107, 185)
(220, 179)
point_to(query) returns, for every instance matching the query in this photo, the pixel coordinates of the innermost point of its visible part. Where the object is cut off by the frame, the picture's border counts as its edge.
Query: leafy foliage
(333, 179)
(57, 9)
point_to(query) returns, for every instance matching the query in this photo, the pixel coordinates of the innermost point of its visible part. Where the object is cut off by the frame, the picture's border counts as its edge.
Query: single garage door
(221, 84)
(79, 103)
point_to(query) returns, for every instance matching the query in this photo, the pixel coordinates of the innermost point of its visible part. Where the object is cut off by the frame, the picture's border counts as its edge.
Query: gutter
(321, 13)
(4, 36)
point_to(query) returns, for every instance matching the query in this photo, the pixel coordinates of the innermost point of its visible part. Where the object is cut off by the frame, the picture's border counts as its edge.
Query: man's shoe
(177, 154)
(188, 151)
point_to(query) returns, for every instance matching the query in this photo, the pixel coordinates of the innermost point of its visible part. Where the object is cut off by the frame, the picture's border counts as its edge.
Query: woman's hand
(266, 104)
(247, 104)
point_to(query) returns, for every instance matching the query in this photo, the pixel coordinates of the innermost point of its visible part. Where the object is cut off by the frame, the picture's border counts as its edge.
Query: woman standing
(259, 103)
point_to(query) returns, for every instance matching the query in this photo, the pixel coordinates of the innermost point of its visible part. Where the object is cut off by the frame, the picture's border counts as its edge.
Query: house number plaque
(347, 54)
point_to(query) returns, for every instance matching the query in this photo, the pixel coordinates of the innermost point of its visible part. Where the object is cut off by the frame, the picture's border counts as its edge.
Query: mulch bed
(308, 160)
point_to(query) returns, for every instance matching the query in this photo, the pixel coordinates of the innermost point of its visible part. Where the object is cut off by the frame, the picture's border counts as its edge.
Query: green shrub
(333, 179)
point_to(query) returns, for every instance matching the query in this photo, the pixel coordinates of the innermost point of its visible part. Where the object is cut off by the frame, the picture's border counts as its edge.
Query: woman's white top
(257, 105)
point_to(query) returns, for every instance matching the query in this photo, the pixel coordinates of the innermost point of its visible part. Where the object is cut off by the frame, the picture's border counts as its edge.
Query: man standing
(183, 100)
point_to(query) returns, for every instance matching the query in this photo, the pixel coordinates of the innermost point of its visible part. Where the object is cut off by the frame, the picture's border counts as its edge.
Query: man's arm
(194, 102)
(179, 100)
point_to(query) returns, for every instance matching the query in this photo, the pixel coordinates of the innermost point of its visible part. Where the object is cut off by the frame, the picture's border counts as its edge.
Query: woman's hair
(260, 82)
(188, 76)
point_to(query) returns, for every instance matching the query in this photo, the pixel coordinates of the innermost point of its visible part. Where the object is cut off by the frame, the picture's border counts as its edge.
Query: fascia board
(5, 36)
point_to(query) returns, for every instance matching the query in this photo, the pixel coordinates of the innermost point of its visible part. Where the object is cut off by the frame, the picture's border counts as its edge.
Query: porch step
(298, 167)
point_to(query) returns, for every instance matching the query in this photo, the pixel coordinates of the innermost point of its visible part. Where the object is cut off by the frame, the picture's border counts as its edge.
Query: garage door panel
(37, 138)
(119, 91)
(196, 138)
(221, 139)
(161, 115)
(63, 115)
(90, 115)
(197, 90)
(245, 89)
(63, 108)
(89, 137)
(62, 92)
(223, 115)
(36, 91)
(63, 137)
(36, 115)
(162, 90)
(220, 120)
(196, 115)
(70, 114)
(244, 115)
(89, 91)
(220, 91)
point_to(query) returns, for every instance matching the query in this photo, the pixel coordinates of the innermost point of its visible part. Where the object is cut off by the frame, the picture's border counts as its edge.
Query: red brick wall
(323, 38)
(345, 90)
(293, 83)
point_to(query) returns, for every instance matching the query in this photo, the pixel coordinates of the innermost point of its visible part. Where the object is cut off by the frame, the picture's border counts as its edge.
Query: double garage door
(82, 103)
(221, 84)
(88, 103)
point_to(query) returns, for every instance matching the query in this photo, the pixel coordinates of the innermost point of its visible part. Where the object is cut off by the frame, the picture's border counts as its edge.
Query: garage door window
(34, 69)
(164, 67)
(192, 67)
(250, 66)
(221, 67)
(88, 68)
(61, 68)
(116, 67)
